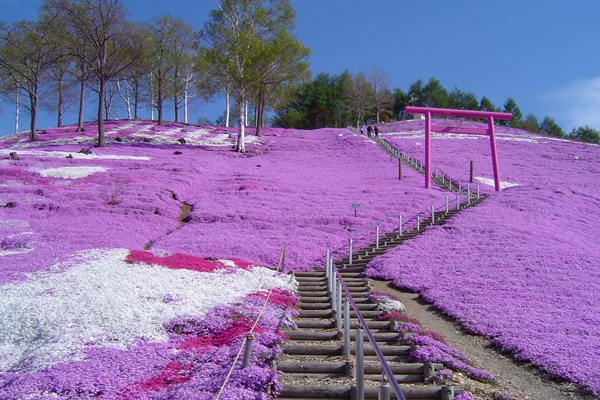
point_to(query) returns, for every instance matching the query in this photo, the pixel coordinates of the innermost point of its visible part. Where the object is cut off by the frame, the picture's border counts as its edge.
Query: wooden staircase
(313, 363)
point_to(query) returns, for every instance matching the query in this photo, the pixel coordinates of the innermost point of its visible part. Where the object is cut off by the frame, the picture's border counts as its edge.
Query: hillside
(522, 265)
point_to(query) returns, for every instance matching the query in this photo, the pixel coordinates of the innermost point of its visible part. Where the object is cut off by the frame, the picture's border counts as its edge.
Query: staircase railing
(424, 216)
(455, 185)
(336, 285)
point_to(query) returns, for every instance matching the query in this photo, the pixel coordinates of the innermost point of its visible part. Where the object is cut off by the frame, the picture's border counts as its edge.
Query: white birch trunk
(227, 107)
(246, 113)
(17, 112)
(185, 105)
(241, 142)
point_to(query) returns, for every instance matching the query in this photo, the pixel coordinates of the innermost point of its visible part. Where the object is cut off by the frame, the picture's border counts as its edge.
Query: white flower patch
(15, 244)
(97, 299)
(196, 134)
(13, 223)
(221, 139)
(70, 172)
(390, 305)
(80, 156)
(491, 182)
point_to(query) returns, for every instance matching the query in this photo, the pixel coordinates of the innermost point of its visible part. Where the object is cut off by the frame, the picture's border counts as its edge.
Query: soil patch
(521, 380)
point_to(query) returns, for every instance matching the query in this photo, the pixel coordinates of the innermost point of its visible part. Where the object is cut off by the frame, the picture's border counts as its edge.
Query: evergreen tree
(434, 94)
(551, 128)
(510, 106)
(586, 134)
(486, 105)
(530, 124)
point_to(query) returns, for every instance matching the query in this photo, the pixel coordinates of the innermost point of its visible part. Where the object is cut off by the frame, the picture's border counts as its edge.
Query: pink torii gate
(490, 115)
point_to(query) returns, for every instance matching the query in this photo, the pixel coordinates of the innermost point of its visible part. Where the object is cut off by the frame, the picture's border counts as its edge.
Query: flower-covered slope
(131, 325)
(523, 267)
(291, 189)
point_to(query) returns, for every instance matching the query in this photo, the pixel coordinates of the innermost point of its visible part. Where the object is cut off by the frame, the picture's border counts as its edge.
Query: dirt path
(518, 379)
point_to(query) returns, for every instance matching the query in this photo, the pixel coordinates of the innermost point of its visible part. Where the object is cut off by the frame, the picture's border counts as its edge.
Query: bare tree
(383, 100)
(358, 93)
(111, 41)
(239, 34)
(60, 88)
(27, 51)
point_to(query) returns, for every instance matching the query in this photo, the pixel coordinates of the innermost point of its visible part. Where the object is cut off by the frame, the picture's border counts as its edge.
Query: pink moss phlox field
(376, 296)
(182, 261)
(464, 396)
(205, 351)
(291, 189)
(431, 348)
(521, 267)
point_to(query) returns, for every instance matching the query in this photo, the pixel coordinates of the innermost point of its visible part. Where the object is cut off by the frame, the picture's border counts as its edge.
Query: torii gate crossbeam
(489, 115)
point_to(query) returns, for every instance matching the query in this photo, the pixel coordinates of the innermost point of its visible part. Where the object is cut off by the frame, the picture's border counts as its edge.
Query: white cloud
(576, 104)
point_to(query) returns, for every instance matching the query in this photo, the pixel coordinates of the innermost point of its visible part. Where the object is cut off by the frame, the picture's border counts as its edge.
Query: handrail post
(459, 187)
(330, 279)
(360, 366)
(400, 223)
(457, 203)
(327, 263)
(432, 215)
(384, 389)
(350, 250)
(347, 329)
(333, 294)
(418, 223)
(468, 193)
(248, 350)
(377, 234)
(477, 191)
(338, 308)
(446, 204)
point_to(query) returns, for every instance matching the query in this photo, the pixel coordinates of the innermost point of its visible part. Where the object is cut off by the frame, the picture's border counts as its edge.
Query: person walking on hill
(376, 132)
(369, 131)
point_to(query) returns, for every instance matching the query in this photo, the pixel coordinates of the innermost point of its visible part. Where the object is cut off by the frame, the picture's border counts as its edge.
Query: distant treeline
(347, 99)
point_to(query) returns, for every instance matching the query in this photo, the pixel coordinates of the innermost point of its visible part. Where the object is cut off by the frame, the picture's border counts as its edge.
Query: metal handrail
(406, 157)
(384, 365)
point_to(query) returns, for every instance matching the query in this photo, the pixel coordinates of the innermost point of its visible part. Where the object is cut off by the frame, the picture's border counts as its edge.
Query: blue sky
(544, 54)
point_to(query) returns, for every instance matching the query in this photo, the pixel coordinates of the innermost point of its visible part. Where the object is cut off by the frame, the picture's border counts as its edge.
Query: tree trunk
(175, 103)
(185, 105)
(60, 103)
(136, 98)
(227, 107)
(81, 102)
(159, 105)
(260, 110)
(18, 99)
(101, 89)
(241, 145)
(33, 102)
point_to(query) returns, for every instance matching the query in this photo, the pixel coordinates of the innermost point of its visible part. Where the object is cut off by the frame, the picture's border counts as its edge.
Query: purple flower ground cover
(523, 267)
(291, 189)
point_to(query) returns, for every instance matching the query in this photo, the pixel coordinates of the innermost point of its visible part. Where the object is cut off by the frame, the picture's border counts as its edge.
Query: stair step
(324, 306)
(311, 293)
(336, 350)
(309, 274)
(339, 392)
(324, 324)
(309, 335)
(313, 367)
